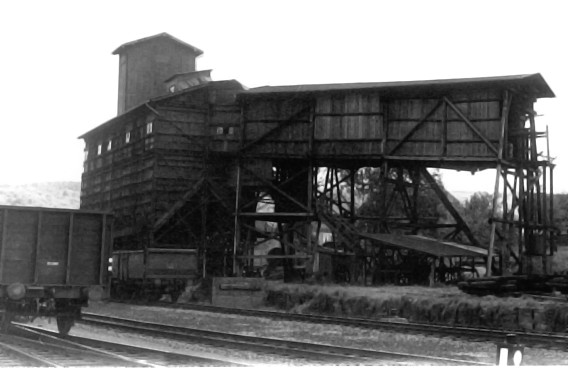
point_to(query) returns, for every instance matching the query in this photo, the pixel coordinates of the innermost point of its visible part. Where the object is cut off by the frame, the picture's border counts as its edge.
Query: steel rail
(57, 353)
(295, 349)
(143, 356)
(531, 339)
(15, 356)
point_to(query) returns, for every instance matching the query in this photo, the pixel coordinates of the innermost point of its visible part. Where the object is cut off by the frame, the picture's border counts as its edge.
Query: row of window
(225, 130)
(100, 146)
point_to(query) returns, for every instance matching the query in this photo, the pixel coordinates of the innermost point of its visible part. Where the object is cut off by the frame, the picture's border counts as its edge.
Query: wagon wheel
(64, 324)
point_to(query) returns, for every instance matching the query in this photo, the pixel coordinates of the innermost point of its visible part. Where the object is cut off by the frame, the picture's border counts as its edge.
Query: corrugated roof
(122, 47)
(533, 81)
(426, 245)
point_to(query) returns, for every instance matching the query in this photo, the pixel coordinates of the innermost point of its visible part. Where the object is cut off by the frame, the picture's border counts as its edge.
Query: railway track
(92, 352)
(34, 351)
(534, 340)
(297, 351)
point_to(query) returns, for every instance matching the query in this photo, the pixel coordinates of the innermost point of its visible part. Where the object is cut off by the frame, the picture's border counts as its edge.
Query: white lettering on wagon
(52, 263)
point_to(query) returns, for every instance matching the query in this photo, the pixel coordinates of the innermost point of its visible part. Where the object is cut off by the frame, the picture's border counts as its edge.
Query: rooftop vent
(181, 81)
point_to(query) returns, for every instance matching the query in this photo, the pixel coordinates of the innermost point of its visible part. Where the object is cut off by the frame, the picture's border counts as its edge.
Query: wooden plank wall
(146, 176)
(144, 64)
(225, 128)
(483, 109)
(359, 125)
(263, 116)
(348, 124)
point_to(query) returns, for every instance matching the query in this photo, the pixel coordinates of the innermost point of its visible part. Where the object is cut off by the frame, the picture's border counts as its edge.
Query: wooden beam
(295, 176)
(415, 128)
(445, 131)
(103, 262)
(179, 204)
(352, 194)
(312, 177)
(471, 126)
(277, 216)
(330, 188)
(193, 139)
(292, 120)
(341, 114)
(270, 185)
(237, 230)
(504, 120)
(455, 214)
(293, 256)
(3, 243)
(266, 236)
(215, 190)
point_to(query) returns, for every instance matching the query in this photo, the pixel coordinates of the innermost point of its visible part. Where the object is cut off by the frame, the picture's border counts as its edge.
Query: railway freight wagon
(152, 273)
(52, 262)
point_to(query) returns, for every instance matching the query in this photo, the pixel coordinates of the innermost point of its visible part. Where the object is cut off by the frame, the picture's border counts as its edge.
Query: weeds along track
(49, 349)
(296, 351)
(534, 340)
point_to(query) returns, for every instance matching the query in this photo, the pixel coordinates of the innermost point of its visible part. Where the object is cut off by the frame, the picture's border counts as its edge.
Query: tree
(560, 214)
(476, 212)
(397, 197)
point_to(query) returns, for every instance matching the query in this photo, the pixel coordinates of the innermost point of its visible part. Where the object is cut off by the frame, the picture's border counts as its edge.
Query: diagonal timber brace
(460, 221)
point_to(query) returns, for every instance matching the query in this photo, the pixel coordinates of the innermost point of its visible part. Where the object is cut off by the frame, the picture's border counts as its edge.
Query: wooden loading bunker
(193, 166)
(402, 128)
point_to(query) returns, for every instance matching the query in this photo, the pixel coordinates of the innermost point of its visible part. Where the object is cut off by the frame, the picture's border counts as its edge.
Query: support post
(493, 223)
(551, 193)
(432, 275)
(310, 247)
(504, 120)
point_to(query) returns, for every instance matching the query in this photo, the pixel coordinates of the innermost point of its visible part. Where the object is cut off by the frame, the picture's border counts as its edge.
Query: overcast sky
(59, 78)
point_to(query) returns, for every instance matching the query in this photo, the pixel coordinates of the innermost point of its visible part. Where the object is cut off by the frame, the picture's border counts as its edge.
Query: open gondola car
(52, 262)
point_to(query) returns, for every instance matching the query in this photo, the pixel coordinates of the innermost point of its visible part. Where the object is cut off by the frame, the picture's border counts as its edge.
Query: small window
(231, 130)
(86, 154)
(127, 140)
(172, 89)
(219, 130)
(109, 146)
(149, 128)
(99, 149)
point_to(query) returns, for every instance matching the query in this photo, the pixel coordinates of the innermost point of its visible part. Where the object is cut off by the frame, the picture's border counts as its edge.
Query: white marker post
(510, 353)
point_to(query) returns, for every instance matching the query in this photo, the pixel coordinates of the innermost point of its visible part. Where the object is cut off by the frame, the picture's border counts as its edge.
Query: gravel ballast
(317, 333)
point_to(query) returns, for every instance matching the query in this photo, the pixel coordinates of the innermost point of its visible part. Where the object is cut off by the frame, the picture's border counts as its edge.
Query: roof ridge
(162, 34)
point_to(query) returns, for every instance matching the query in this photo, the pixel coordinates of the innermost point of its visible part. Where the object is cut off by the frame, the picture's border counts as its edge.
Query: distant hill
(64, 194)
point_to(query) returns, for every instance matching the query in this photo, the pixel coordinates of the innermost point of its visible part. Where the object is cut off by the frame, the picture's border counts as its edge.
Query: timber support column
(504, 120)
(237, 233)
(311, 246)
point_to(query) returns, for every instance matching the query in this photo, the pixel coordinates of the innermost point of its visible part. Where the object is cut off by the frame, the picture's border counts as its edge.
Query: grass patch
(444, 305)
(560, 261)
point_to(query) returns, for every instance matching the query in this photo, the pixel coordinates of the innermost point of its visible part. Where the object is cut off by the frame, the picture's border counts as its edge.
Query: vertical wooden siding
(286, 118)
(348, 124)
(353, 124)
